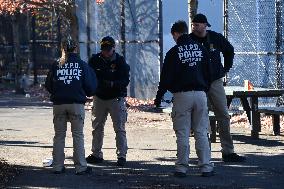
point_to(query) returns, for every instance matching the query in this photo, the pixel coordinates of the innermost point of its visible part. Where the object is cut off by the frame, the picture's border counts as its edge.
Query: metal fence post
(278, 44)
(225, 25)
(58, 34)
(34, 49)
(88, 29)
(161, 33)
(122, 25)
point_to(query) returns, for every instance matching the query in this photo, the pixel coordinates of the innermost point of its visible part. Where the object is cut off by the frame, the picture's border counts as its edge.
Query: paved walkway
(26, 133)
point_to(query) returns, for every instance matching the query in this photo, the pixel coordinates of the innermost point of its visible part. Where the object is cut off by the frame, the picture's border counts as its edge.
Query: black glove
(157, 102)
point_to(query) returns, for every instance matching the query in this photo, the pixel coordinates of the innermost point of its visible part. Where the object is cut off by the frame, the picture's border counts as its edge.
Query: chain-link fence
(254, 27)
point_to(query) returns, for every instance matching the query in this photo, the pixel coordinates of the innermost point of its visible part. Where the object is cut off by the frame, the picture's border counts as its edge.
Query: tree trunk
(192, 10)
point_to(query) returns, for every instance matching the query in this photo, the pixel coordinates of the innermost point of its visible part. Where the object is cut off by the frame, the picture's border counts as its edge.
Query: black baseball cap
(107, 43)
(201, 18)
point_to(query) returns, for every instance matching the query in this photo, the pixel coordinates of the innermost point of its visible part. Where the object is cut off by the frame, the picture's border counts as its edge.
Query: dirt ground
(26, 133)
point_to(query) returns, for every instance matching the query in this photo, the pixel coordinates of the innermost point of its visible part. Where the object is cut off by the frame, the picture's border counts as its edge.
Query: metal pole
(34, 49)
(225, 22)
(278, 44)
(58, 34)
(161, 44)
(29, 46)
(189, 18)
(122, 32)
(225, 25)
(88, 30)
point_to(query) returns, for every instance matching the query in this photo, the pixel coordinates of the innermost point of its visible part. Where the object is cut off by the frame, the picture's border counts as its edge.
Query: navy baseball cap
(201, 18)
(107, 43)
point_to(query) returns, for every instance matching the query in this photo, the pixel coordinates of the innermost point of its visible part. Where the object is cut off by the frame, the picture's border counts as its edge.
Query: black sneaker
(233, 157)
(179, 174)
(59, 172)
(208, 174)
(121, 161)
(94, 160)
(87, 171)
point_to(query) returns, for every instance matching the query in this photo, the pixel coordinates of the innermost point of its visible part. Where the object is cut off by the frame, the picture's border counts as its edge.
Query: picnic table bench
(251, 108)
(275, 112)
(213, 126)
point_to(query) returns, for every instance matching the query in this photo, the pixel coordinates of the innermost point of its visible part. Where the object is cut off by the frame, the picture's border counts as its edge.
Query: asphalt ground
(26, 133)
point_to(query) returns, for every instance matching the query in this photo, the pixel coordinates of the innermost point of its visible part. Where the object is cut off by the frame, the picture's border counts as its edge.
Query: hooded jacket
(185, 68)
(215, 43)
(113, 76)
(71, 82)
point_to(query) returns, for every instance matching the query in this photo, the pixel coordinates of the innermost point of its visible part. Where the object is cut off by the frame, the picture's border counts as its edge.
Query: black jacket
(113, 76)
(185, 68)
(71, 82)
(215, 43)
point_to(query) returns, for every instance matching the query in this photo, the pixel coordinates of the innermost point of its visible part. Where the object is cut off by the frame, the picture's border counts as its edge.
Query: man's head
(179, 28)
(199, 24)
(107, 46)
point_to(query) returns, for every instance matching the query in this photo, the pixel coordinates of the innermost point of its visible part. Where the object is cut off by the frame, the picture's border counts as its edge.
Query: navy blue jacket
(113, 76)
(185, 68)
(71, 82)
(215, 43)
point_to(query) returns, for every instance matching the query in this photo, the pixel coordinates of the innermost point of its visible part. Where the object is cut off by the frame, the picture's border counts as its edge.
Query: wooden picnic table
(251, 107)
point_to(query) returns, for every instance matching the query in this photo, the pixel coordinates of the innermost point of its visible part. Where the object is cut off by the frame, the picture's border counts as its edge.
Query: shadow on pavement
(258, 172)
(26, 144)
(20, 101)
(258, 142)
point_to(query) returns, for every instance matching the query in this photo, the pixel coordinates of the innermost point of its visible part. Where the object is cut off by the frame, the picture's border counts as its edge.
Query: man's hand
(157, 102)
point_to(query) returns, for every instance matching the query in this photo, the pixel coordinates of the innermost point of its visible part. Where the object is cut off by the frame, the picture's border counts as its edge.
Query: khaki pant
(218, 102)
(75, 114)
(190, 111)
(118, 112)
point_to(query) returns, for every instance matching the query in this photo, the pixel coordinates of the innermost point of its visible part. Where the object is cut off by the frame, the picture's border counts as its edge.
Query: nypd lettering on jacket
(190, 54)
(68, 72)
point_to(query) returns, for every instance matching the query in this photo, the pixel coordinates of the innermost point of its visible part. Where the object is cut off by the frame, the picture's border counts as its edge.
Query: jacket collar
(70, 55)
(112, 58)
(182, 38)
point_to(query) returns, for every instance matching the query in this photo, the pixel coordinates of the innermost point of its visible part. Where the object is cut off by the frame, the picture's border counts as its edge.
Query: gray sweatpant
(118, 112)
(190, 111)
(74, 113)
(218, 102)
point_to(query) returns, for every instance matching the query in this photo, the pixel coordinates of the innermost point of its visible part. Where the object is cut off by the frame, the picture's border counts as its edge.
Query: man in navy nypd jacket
(186, 73)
